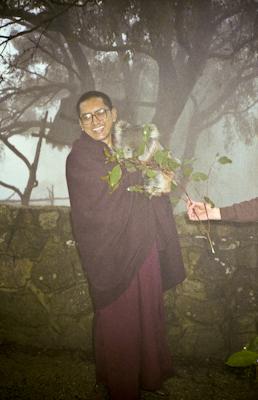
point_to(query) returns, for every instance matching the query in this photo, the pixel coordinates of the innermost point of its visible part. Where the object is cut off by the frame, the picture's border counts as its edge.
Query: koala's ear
(114, 114)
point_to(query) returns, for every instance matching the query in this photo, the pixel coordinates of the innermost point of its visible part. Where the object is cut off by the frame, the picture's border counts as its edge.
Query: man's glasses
(100, 115)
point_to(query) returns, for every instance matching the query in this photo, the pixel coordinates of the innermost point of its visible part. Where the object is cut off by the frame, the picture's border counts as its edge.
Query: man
(246, 211)
(130, 252)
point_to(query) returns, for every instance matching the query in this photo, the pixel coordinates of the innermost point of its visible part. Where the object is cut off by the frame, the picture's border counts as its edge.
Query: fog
(191, 70)
(51, 170)
(227, 184)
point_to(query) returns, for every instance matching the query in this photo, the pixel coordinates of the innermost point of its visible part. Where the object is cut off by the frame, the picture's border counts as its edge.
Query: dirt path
(32, 374)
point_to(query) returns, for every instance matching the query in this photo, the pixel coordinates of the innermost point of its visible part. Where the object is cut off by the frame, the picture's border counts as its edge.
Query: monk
(130, 253)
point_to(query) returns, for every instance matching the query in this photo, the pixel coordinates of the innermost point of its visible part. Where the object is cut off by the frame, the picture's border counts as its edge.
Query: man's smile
(98, 129)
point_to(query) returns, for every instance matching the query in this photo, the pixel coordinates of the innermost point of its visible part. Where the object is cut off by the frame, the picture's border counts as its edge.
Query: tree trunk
(168, 106)
(32, 181)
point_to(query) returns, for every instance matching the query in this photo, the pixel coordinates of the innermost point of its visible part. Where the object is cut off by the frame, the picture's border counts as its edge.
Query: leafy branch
(200, 176)
(247, 357)
(160, 163)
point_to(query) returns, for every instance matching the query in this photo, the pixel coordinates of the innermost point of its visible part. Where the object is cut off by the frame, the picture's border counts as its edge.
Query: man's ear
(114, 114)
(80, 122)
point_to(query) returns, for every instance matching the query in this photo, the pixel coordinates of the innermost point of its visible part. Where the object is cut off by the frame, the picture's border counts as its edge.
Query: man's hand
(198, 211)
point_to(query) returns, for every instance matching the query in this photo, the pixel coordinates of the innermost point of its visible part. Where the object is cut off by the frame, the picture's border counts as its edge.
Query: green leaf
(114, 176)
(140, 150)
(209, 201)
(119, 154)
(173, 185)
(187, 170)
(105, 178)
(107, 152)
(173, 164)
(199, 176)
(146, 132)
(224, 160)
(136, 188)
(189, 161)
(129, 166)
(150, 173)
(160, 157)
(111, 157)
(242, 358)
(253, 345)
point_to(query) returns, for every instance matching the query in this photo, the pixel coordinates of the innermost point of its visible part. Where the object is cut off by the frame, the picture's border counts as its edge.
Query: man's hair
(94, 93)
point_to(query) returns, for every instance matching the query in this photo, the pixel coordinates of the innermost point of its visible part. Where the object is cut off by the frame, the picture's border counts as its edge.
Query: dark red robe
(115, 231)
(131, 345)
(130, 252)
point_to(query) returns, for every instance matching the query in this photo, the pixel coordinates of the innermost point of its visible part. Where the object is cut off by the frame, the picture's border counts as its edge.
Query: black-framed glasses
(100, 114)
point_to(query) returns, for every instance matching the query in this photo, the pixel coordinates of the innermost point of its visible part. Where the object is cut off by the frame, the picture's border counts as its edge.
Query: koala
(157, 185)
(128, 138)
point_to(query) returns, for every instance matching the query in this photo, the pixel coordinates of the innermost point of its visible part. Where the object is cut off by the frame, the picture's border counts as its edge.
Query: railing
(46, 200)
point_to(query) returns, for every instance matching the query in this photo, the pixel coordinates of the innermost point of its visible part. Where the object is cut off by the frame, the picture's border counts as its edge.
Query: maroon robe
(130, 252)
(115, 231)
(131, 345)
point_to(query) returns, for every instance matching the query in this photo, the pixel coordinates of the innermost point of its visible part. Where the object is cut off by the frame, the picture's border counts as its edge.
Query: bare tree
(32, 167)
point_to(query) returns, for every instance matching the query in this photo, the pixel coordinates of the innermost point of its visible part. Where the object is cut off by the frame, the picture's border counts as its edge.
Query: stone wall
(44, 299)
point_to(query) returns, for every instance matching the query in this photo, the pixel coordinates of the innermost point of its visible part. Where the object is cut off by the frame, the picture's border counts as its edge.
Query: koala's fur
(128, 138)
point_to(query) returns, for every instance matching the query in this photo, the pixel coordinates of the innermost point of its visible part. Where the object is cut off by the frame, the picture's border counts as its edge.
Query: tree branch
(15, 151)
(21, 126)
(14, 188)
(35, 19)
(53, 57)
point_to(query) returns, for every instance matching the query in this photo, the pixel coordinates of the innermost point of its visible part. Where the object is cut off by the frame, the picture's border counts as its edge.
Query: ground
(37, 374)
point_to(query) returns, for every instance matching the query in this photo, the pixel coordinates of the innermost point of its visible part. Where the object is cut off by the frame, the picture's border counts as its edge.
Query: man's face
(96, 119)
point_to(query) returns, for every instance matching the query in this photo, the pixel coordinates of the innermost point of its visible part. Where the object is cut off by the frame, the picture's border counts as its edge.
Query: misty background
(191, 67)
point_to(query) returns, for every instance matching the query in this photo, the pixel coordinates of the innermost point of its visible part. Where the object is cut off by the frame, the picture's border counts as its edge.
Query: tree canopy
(201, 53)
